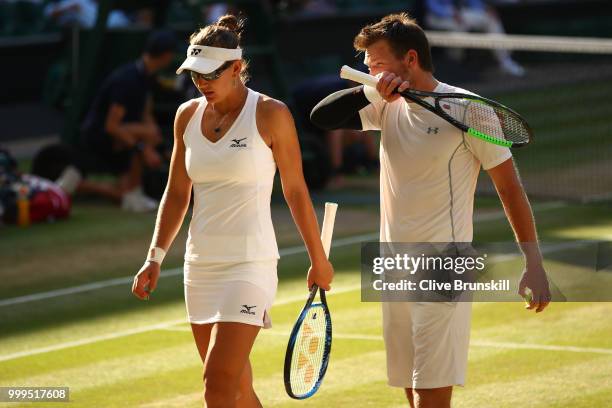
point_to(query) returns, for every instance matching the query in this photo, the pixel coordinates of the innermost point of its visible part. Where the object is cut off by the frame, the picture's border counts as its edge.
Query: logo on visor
(195, 51)
(433, 130)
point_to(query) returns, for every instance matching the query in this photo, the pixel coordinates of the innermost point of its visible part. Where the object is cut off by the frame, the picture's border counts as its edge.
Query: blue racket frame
(293, 338)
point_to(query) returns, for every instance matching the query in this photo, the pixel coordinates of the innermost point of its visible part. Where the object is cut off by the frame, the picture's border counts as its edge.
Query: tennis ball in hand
(528, 297)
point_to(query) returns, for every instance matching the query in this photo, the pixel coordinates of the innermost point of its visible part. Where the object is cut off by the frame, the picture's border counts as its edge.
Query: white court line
(548, 347)
(476, 343)
(545, 249)
(138, 330)
(498, 215)
(298, 249)
(283, 252)
(81, 342)
(168, 325)
(289, 251)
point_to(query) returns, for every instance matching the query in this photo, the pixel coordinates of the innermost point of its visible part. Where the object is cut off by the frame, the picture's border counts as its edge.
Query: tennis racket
(311, 338)
(479, 117)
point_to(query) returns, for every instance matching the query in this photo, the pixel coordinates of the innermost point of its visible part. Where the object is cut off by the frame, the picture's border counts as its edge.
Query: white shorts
(241, 292)
(426, 343)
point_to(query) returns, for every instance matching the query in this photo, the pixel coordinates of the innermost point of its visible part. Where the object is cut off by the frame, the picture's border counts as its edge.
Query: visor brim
(199, 65)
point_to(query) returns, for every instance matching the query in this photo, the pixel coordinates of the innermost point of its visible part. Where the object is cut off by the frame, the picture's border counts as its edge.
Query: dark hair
(160, 42)
(224, 33)
(402, 33)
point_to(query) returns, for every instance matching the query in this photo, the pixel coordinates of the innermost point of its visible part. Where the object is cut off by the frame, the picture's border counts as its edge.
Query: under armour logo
(247, 309)
(237, 143)
(195, 51)
(433, 130)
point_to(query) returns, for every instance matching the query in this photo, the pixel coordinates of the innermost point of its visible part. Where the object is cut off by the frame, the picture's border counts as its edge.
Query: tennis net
(564, 93)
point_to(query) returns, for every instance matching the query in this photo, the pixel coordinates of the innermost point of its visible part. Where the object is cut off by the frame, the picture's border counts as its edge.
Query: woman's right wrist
(156, 254)
(319, 259)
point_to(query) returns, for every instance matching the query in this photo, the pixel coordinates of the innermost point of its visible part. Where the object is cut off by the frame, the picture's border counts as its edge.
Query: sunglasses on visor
(211, 76)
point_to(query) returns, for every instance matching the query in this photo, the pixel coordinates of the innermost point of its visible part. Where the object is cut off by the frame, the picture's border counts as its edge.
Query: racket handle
(352, 74)
(328, 226)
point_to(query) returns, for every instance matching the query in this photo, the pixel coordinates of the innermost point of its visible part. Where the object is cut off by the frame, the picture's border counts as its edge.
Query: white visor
(205, 60)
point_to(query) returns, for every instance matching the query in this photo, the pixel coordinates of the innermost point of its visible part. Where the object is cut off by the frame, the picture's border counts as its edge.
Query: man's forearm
(517, 208)
(520, 216)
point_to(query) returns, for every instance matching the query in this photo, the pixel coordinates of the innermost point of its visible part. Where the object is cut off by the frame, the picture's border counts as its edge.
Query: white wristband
(372, 94)
(156, 254)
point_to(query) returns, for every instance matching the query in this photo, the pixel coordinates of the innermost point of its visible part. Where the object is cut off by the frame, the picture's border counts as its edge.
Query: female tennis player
(227, 146)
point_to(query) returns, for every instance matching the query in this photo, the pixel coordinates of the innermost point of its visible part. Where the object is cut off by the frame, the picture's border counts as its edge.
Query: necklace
(217, 128)
(220, 124)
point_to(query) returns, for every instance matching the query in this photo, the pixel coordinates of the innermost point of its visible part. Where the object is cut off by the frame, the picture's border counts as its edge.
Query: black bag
(8, 176)
(52, 159)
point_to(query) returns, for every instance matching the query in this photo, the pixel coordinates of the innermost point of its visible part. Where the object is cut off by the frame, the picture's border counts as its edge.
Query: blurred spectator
(470, 15)
(305, 7)
(154, 15)
(215, 11)
(19, 17)
(120, 129)
(317, 7)
(82, 13)
(348, 149)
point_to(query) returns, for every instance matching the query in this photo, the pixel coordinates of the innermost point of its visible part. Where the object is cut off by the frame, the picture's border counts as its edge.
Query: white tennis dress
(231, 252)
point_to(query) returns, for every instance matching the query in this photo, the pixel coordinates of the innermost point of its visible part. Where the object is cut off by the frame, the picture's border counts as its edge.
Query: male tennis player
(428, 177)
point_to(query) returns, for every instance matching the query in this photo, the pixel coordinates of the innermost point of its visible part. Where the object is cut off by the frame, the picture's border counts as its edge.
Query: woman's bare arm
(173, 206)
(276, 122)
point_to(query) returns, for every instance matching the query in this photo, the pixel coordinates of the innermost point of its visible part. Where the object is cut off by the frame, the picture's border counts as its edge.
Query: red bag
(44, 200)
(48, 201)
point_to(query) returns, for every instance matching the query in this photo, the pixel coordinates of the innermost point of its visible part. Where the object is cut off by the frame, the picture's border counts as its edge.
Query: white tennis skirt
(241, 292)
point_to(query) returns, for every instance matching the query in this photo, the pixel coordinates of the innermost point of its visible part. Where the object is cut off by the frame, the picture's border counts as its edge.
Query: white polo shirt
(428, 171)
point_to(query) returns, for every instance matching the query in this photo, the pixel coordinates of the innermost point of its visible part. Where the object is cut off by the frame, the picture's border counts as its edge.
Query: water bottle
(23, 205)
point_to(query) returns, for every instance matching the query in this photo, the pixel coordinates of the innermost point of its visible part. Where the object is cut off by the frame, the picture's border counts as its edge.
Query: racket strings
(494, 121)
(308, 352)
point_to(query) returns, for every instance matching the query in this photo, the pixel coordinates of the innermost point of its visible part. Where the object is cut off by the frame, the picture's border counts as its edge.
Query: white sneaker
(509, 66)
(137, 201)
(70, 179)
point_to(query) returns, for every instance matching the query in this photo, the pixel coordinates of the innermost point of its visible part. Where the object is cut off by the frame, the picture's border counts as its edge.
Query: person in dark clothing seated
(120, 129)
(343, 145)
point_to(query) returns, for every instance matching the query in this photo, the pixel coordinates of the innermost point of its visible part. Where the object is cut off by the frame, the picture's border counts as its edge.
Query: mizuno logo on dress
(237, 143)
(247, 309)
(431, 130)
